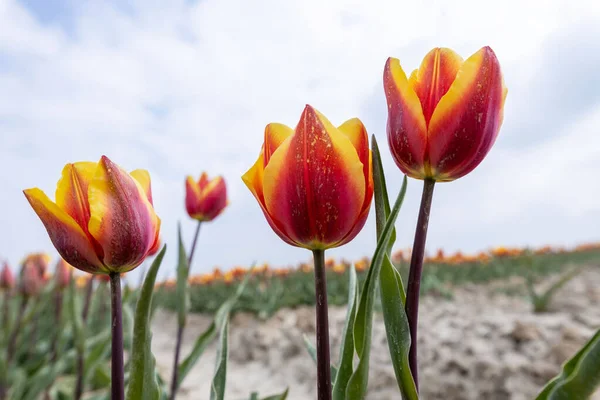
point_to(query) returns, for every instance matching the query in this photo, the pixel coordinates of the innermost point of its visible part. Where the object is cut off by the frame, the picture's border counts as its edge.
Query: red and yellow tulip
(314, 183)
(103, 219)
(7, 278)
(205, 199)
(445, 117)
(62, 275)
(31, 281)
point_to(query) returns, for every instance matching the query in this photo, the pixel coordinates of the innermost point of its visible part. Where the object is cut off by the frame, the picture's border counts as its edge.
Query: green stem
(414, 276)
(323, 357)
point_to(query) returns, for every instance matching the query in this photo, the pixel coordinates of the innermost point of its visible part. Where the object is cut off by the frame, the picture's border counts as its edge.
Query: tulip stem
(323, 358)
(414, 276)
(58, 316)
(181, 327)
(12, 343)
(117, 381)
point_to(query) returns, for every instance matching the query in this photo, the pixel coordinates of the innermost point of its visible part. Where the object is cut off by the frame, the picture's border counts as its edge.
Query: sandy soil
(482, 344)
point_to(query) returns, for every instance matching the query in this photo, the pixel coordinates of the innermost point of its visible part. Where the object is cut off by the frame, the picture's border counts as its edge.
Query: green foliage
(541, 299)
(580, 375)
(142, 377)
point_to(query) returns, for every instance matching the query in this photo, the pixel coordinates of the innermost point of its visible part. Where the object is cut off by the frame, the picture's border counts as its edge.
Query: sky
(179, 87)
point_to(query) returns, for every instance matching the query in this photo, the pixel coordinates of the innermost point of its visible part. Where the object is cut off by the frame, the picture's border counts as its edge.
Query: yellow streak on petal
(143, 178)
(407, 93)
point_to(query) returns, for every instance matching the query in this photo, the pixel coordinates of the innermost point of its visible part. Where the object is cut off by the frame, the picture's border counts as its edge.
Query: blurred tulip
(444, 118)
(103, 220)
(7, 278)
(39, 261)
(31, 282)
(63, 274)
(314, 184)
(205, 199)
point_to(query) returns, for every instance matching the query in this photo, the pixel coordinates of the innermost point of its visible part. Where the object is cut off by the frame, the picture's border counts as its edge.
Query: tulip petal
(275, 134)
(203, 181)
(143, 178)
(213, 200)
(192, 195)
(122, 219)
(434, 77)
(317, 163)
(253, 179)
(406, 126)
(466, 121)
(72, 191)
(65, 233)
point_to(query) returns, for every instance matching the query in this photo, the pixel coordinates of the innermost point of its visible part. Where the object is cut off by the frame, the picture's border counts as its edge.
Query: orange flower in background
(103, 219)
(7, 278)
(205, 199)
(314, 183)
(445, 117)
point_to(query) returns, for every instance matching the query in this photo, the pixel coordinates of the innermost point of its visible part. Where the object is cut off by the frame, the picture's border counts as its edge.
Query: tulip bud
(205, 199)
(40, 262)
(31, 281)
(103, 219)
(63, 274)
(444, 118)
(7, 278)
(314, 184)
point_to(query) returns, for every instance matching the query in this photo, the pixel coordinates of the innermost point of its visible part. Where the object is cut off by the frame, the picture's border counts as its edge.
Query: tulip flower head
(31, 281)
(7, 278)
(39, 261)
(314, 183)
(445, 117)
(63, 274)
(103, 219)
(205, 199)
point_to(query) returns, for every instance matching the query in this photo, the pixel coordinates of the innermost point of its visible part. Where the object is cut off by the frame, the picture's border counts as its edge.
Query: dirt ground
(482, 344)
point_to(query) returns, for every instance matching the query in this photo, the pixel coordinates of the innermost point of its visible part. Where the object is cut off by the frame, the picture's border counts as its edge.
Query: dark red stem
(414, 276)
(323, 357)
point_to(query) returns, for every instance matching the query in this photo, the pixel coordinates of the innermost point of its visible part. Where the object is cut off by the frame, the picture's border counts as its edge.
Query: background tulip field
(44, 373)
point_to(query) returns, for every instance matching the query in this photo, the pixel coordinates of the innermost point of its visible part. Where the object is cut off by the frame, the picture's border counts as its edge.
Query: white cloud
(179, 87)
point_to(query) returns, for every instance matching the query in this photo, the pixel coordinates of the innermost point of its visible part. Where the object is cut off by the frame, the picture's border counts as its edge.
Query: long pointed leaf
(346, 364)
(142, 376)
(580, 376)
(357, 386)
(217, 388)
(393, 296)
(281, 396)
(210, 333)
(182, 283)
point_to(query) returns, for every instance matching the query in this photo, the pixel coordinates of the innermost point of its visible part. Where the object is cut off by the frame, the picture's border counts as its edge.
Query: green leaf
(182, 282)
(580, 376)
(312, 351)
(396, 327)
(281, 396)
(142, 377)
(217, 388)
(210, 333)
(357, 386)
(393, 296)
(346, 364)
(382, 202)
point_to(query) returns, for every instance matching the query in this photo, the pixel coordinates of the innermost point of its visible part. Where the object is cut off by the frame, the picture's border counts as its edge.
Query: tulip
(103, 219)
(206, 199)
(103, 222)
(31, 282)
(442, 121)
(314, 185)
(38, 261)
(7, 278)
(444, 118)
